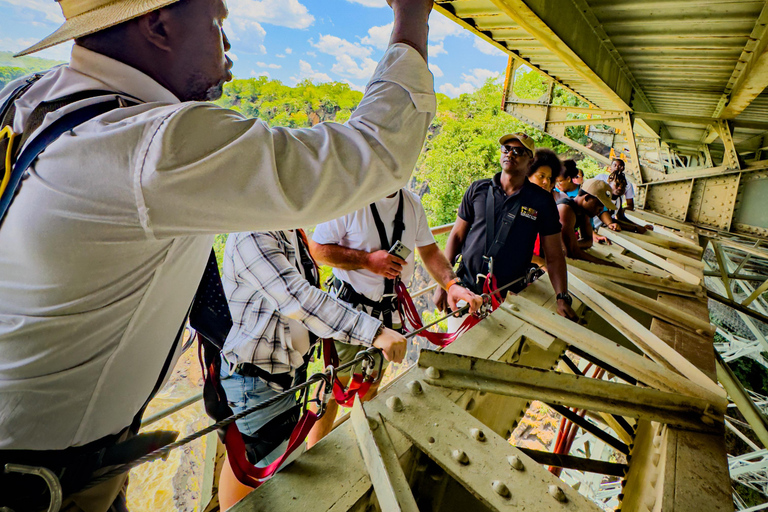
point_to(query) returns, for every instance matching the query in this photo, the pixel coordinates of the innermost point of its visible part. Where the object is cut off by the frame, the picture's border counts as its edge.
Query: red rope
(359, 385)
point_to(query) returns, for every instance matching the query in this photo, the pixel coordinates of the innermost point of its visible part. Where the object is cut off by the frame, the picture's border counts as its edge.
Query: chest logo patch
(529, 212)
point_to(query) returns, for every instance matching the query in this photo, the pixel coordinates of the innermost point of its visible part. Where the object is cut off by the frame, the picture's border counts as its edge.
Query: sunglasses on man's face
(515, 150)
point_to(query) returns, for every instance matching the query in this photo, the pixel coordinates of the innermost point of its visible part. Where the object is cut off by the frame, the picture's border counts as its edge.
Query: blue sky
(291, 40)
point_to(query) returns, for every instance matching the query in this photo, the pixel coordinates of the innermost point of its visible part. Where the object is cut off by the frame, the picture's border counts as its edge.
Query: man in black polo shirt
(521, 211)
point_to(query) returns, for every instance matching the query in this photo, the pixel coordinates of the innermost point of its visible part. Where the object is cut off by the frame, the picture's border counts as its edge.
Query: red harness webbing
(441, 339)
(247, 473)
(359, 385)
(244, 471)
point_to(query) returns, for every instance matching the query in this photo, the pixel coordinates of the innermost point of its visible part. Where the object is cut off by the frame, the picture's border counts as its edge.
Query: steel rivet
(433, 373)
(557, 493)
(373, 424)
(395, 403)
(514, 307)
(656, 457)
(500, 489)
(460, 457)
(415, 387)
(516, 463)
(477, 434)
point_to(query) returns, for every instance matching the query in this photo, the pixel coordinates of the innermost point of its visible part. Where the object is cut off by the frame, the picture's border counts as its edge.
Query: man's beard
(199, 89)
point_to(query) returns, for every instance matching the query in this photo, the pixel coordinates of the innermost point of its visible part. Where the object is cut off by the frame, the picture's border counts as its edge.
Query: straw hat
(522, 138)
(85, 17)
(599, 189)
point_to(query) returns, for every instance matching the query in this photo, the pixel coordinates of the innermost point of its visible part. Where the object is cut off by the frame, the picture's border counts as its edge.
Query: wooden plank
(683, 237)
(655, 218)
(660, 262)
(389, 482)
(649, 237)
(648, 342)
(749, 249)
(466, 372)
(616, 254)
(642, 241)
(624, 276)
(635, 365)
(643, 302)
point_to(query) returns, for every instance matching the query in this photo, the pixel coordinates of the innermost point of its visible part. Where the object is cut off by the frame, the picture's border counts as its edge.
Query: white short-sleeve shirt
(357, 230)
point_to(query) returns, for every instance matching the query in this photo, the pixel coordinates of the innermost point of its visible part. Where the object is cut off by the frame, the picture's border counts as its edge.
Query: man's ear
(153, 27)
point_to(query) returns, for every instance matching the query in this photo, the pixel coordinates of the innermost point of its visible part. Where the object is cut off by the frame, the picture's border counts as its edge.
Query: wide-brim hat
(522, 138)
(599, 189)
(85, 17)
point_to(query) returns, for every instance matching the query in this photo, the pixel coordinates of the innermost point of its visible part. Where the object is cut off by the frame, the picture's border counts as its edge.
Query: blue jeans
(245, 392)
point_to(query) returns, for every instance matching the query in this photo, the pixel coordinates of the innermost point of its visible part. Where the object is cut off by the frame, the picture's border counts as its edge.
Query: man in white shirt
(104, 244)
(617, 167)
(364, 270)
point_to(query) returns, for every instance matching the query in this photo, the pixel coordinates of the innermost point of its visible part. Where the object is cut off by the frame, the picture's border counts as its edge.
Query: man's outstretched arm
(441, 271)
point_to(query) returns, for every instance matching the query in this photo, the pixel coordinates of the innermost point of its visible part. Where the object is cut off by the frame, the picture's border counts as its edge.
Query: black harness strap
(397, 234)
(495, 239)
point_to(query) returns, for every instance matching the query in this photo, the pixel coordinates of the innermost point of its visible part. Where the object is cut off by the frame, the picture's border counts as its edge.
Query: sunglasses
(515, 150)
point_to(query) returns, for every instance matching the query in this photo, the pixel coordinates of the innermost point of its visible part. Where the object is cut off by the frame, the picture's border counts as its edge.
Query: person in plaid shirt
(278, 313)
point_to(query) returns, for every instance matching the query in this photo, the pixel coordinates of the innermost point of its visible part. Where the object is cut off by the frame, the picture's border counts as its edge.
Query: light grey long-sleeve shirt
(103, 248)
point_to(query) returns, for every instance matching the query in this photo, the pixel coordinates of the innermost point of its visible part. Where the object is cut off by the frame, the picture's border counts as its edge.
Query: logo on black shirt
(527, 211)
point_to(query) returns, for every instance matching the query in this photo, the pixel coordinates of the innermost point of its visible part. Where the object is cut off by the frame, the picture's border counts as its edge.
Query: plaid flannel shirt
(265, 288)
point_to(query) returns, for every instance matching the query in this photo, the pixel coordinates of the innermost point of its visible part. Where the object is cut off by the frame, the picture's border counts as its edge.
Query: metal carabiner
(54, 487)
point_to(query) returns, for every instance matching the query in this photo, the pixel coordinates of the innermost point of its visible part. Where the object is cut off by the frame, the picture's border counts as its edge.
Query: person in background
(614, 170)
(616, 221)
(278, 314)
(579, 179)
(565, 182)
(521, 211)
(357, 246)
(576, 219)
(545, 168)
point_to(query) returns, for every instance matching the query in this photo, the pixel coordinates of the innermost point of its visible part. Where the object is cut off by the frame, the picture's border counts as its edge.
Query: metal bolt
(433, 373)
(500, 489)
(477, 434)
(415, 387)
(373, 424)
(515, 462)
(460, 457)
(395, 403)
(557, 493)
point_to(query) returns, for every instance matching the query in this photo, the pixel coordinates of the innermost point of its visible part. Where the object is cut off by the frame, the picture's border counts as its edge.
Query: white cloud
(270, 66)
(370, 3)
(257, 74)
(478, 76)
(473, 80)
(312, 54)
(378, 36)
(354, 86)
(441, 27)
(486, 47)
(453, 91)
(281, 55)
(288, 51)
(51, 10)
(248, 34)
(306, 72)
(435, 49)
(436, 70)
(232, 56)
(347, 66)
(284, 13)
(337, 46)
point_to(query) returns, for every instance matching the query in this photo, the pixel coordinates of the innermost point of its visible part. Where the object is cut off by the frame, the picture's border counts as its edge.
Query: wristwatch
(566, 297)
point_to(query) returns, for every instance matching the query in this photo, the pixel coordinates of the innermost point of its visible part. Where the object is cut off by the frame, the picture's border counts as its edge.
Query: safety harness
(72, 467)
(211, 318)
(388, 304)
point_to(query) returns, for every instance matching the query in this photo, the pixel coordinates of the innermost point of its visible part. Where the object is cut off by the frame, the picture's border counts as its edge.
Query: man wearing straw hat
(104, 243)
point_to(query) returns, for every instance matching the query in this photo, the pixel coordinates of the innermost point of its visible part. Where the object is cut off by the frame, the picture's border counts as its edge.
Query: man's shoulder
(481, 184)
